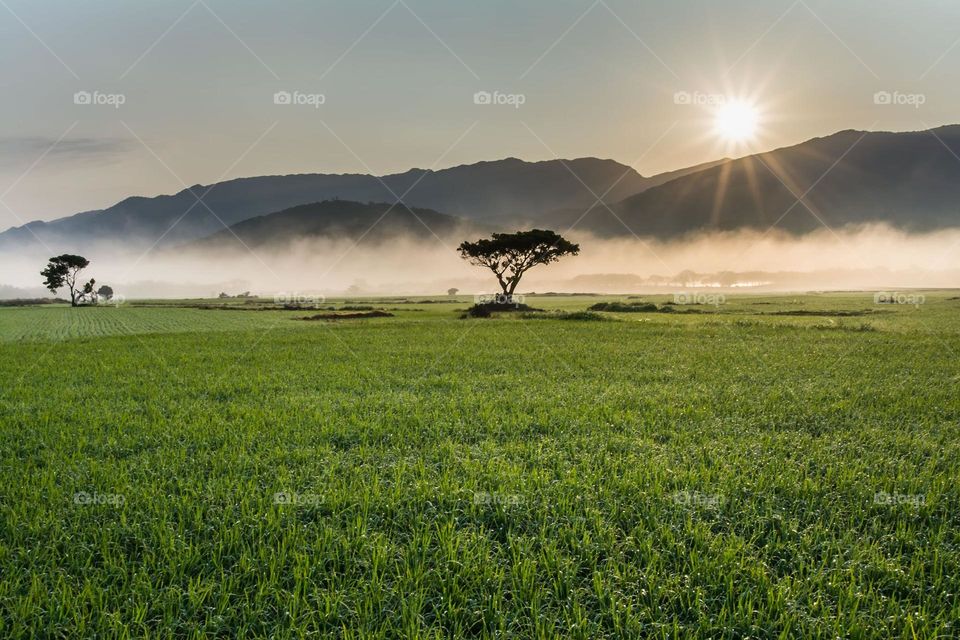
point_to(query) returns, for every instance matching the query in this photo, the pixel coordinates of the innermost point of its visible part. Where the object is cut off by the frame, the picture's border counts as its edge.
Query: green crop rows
(743, 471)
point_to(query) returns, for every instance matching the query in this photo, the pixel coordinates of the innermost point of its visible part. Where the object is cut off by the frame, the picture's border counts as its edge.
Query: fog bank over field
(872, 257)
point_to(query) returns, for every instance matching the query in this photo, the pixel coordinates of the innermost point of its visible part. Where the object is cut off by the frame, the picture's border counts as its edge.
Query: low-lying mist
(872, 257)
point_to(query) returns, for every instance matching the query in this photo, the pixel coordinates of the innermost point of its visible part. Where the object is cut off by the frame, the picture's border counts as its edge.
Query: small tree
(88, 293)
(453, 291)
(105, 292)
(510, 255)
(62, 271)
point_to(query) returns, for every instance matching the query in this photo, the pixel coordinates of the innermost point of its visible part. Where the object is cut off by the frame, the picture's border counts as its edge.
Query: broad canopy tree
(105, 292)
(62, 271)
(510, 255)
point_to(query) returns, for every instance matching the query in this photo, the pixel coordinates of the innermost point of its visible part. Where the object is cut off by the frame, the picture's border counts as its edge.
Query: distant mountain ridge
(908, 180)
(501, 188)
(335, 219)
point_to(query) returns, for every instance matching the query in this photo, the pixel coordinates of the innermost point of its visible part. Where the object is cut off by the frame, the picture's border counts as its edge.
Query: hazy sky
(197, 83)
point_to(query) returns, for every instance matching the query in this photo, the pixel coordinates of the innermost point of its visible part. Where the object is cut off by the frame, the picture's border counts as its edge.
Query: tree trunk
(509, 292)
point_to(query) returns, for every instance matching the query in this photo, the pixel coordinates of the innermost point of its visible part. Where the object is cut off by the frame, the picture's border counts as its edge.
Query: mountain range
(341, 219)
(908, 180)
(502, 190)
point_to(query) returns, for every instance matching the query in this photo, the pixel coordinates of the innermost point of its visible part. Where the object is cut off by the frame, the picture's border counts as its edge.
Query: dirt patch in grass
(24, 302)
(825, 313)
(567, 315)
(238, 307)
(349, 316)
(487, 309)
(620, 307)
(639, 307)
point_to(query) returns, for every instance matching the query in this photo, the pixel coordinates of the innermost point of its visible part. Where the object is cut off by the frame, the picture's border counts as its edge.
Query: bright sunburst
(736, 121)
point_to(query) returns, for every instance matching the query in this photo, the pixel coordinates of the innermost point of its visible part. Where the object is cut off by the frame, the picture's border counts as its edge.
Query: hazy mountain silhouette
(908, 180)
(340, 219)
(483, 190)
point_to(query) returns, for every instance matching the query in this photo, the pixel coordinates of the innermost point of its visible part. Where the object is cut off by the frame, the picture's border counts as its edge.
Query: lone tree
(62, 271)
(452, 291)
(510, 255)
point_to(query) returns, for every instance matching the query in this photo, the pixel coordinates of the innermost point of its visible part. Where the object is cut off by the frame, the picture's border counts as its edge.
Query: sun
(736, 121)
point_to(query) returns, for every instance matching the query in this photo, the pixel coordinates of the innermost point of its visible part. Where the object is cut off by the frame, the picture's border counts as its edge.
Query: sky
(107, 99)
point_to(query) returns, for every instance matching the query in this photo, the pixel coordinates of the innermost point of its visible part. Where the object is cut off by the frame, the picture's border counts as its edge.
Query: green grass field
(766, 468)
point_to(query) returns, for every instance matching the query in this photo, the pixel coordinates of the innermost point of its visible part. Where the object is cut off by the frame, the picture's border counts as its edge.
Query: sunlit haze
(621, 79)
